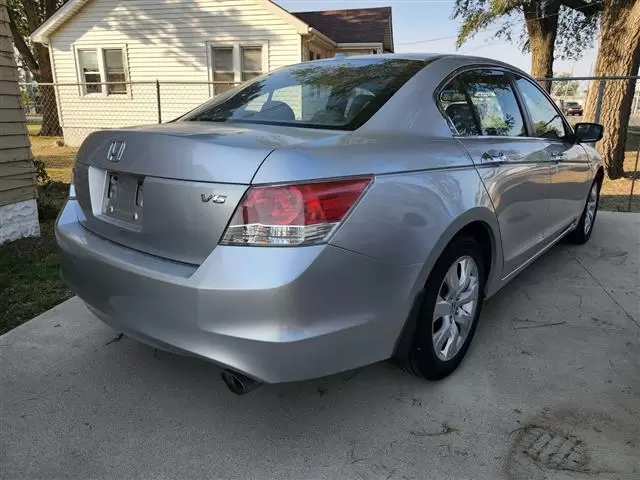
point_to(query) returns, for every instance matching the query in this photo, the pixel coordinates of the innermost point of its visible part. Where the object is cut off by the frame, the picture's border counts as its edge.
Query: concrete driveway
(550, 389)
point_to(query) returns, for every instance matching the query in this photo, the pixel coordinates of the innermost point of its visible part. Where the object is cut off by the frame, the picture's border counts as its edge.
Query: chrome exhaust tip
(238, 383)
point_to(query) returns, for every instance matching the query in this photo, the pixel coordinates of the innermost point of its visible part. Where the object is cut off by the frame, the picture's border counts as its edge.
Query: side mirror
(588, 132)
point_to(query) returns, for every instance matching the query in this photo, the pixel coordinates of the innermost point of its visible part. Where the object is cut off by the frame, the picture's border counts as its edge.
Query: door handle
(557, 156)
(495, 157)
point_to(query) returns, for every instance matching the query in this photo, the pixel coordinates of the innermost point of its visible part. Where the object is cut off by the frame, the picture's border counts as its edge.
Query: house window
(114, 71)
(314, 55)
(102, 71)
(251, 62)
(223, 69)
(90, 71)
(234, 64)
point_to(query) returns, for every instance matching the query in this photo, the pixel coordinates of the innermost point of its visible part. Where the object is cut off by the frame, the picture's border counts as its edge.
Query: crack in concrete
(633, 320)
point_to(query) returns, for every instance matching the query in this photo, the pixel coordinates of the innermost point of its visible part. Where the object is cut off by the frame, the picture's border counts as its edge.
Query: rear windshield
(334, 94)
(572, 104)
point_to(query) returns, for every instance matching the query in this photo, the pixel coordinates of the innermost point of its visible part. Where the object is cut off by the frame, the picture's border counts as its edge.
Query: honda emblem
(116, 150)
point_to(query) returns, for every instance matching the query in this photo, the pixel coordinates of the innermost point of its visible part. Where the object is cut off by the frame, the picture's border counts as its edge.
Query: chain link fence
(573, 95)
(74, 110)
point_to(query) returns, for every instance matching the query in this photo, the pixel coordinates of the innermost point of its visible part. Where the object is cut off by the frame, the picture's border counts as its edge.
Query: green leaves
(576, 29)
(477, 15)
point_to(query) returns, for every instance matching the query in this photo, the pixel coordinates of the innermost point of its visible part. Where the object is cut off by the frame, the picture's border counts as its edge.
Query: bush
(41, 171)
(51, 198)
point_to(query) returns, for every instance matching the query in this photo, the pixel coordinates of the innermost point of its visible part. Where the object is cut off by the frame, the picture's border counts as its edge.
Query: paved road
(550, 389)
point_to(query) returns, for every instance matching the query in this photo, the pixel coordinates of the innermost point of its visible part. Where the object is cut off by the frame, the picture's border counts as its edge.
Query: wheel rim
(455, 308)
(590, 212)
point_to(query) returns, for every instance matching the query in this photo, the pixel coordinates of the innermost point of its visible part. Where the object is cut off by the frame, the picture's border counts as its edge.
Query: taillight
(288, 215)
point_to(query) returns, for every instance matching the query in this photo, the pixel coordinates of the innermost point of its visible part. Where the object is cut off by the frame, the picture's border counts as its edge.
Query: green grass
(29, 279)
(33, 128)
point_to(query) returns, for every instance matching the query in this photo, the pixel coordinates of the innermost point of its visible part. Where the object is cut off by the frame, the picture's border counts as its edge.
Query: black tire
(580, 235)
(422, 358)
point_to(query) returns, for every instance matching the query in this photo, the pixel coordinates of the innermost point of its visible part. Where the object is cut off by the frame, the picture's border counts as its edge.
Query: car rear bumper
(274, 314)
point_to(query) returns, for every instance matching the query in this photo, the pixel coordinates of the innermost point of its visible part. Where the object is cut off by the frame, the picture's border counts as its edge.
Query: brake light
(289, 215)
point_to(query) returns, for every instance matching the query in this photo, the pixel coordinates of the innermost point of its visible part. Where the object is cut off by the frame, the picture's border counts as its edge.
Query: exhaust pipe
(238, 383)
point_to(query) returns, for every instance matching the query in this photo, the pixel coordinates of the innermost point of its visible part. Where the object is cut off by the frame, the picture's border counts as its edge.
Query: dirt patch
(615, 193)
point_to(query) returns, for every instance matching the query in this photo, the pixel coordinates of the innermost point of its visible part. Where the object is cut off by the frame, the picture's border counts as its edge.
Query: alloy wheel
(455, 308)
(590, 212)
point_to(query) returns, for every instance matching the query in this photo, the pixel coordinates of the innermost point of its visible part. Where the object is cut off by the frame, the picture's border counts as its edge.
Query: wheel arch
(480, 223)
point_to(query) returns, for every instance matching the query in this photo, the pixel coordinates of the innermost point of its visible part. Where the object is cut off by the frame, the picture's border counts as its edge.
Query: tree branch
(23, 49)
(587, 8)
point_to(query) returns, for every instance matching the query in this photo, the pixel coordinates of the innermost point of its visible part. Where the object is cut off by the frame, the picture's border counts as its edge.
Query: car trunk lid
(170, 190)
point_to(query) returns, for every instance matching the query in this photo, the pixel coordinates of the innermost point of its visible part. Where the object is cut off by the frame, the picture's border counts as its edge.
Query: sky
(415, 21)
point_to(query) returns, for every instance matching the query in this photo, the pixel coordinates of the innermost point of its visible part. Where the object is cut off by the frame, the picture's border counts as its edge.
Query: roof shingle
(356, 25)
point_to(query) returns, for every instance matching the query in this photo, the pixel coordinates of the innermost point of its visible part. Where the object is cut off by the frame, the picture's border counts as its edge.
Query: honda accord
(328, 214)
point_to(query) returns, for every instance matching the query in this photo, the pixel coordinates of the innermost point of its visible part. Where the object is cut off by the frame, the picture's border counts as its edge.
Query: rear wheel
(582, 232)
(450, 310)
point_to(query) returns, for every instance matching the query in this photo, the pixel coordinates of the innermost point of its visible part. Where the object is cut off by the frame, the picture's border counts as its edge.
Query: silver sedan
(328, 215)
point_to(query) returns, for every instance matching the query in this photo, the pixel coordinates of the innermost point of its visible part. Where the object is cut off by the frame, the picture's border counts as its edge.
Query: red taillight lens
(292, 214)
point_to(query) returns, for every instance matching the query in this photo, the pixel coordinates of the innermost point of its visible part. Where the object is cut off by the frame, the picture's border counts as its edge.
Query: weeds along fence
(76, 109)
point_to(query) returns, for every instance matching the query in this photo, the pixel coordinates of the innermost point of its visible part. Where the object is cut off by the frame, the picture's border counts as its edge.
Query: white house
(119, 63)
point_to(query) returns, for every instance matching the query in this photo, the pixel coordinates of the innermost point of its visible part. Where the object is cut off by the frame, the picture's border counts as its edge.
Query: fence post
(599, 99)
(158, 98)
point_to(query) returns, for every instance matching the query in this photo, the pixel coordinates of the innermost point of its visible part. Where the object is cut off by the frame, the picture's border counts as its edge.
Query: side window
(545, 119)
(457, 110)
(494, 102)
(482, 102)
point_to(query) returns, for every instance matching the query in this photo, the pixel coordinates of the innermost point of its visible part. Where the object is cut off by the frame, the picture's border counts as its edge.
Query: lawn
(29, 280)
(615, 193)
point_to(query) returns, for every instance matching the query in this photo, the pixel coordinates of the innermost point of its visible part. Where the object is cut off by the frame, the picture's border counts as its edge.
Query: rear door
(569, 162)
(484, 113)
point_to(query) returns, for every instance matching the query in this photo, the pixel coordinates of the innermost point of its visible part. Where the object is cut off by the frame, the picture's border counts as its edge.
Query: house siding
(165, 40)
(18, 208)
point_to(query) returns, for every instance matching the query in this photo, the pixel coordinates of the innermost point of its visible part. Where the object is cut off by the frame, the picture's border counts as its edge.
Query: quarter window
(457, 108)
(546, 121)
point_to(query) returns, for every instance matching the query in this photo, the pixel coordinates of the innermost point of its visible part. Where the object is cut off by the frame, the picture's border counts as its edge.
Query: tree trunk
(36, 58)
(542, 27)
(618, 54)
(50, 122)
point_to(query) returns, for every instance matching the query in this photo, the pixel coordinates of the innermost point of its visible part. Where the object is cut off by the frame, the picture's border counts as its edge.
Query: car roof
(428, 56)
